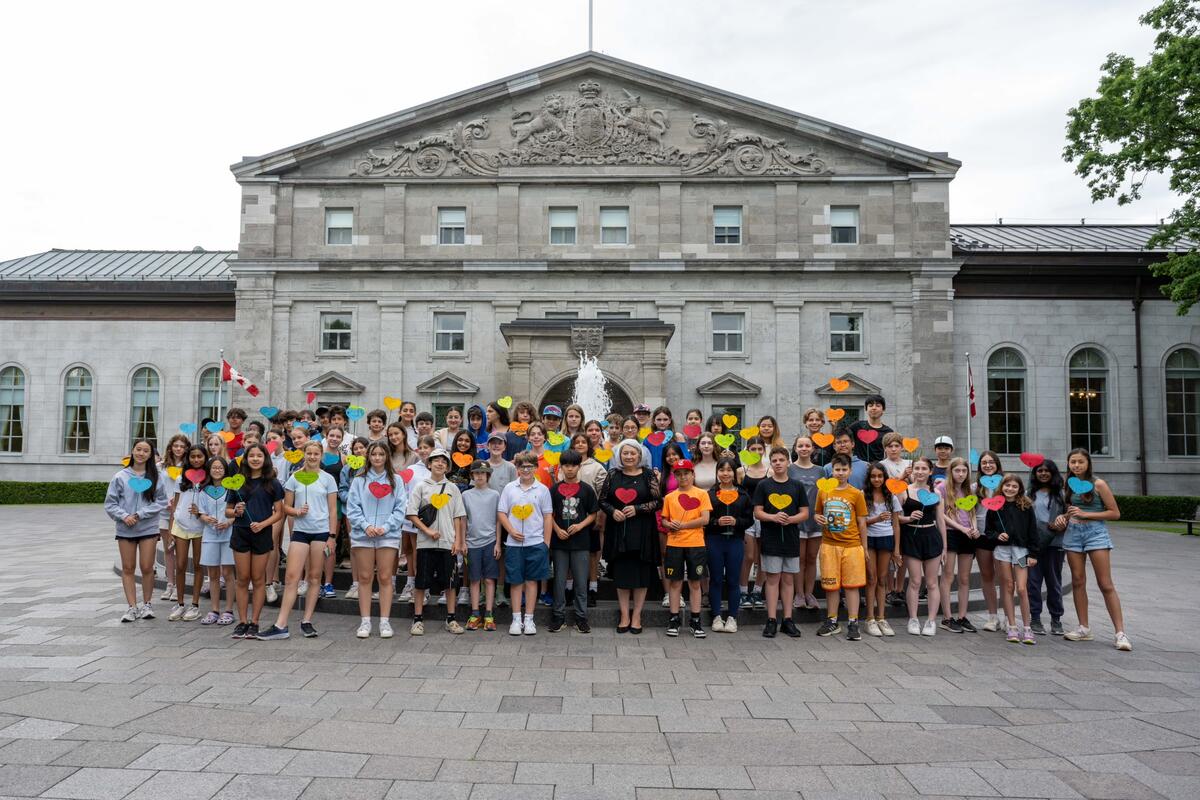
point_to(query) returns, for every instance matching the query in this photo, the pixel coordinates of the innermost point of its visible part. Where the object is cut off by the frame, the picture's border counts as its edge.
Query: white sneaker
(352, 592)
(204, 587)
(731, 625)
(176, 613)
(516, 629)
(385, 629)
(374, 595)
(1122, 642)
(464, 599)
(1080, 634)
(885, 628)
(873, 628)
(364, 629)
(406, 594)
(930, 628)
(530, 628)
(992, 624)
(914, 627)
(666, 603)
(169, 592)
(130, 614)
(302, 589)
(718, 624)
(798, 601)
(192, 614)
(272, 593)
(145, 611)
(442, 599)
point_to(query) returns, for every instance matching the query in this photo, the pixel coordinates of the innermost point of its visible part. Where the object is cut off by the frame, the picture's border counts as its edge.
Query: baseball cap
(497, 437)
(683, 464)
(481, 466)
(641, 408)
(439, 453)
(552, 411)
(946, 440)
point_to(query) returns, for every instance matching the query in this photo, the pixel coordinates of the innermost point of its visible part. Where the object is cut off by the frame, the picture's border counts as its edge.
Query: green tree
(1146, 120)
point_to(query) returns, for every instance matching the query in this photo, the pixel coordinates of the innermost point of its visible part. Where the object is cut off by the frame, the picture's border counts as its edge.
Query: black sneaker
(582, 626)
(952, 625)
(252, 631)
(272, 633)
(673, 625)
(852, 633)
(966, 625)
(829, 627)
(1038, 628)
(770, 628)
(788, 628)
(895, 599)
(308, 630)
(1056, 628)
(921, 595)
(698, 628)
(239, 630)
(556, 625)
(592, 598)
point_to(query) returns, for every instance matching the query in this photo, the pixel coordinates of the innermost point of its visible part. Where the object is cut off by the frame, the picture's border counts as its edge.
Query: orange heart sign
(522, 512)
(602, 455)
(827, 484)
(175, 472)
(730, 420)
(504, 402)
(822, 439)
(462, 459)
(439, 500)
(392, 403)
(519, 428)
(838, 385)
(727, 496)
(834, 414)
(896, 486)
(125, 461)
(293, 456)
(910, 445)
(227, 436)
(749, 433)
(780, 501)
(551, 457)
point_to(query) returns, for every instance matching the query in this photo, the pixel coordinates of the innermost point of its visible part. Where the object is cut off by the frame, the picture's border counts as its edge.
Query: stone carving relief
(587, 339)
(593, 128)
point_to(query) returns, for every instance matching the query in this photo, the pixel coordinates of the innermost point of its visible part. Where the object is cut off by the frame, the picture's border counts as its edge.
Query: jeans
(1048, 568)
(577, 563)
(725, 566)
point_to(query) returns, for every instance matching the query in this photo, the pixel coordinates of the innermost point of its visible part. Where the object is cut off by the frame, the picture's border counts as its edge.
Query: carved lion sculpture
(548, 120)
(640, 121)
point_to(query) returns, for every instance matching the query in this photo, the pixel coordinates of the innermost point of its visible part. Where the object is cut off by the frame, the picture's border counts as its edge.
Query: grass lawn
(1169, 527)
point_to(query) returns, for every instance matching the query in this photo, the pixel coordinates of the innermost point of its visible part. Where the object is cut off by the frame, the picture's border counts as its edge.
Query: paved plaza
(95, 710)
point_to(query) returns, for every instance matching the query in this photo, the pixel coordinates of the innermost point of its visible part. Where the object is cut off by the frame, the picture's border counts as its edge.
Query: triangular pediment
(334, 382)
(449, 384)
(859, 387)
(729, 385)
(594, 110)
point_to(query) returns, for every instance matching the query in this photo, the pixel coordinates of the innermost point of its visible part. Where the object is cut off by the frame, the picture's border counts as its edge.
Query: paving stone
(252, 760)
(182, 758)
(64, 705)
(31, 728)
(881, 779)
(506, 791)
(19, 780)
(371, 738)
(559, 774)
(36, 751)
(723, 776)
(769, 778)
(99, 783)
(400, 768)
(342, 789)
(263, 787)
(1026, 783)
(181, 786)
(785, 750)
(1108, 786)
(632, 748)
(968, 715)
(947, 781)
(326, 765)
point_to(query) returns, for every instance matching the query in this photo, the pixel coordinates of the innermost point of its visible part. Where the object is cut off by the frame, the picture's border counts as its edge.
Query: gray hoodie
(121, 500)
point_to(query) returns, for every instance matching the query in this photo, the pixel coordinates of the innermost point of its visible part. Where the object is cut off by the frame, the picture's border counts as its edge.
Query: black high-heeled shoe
(634, 631)
(622, 629)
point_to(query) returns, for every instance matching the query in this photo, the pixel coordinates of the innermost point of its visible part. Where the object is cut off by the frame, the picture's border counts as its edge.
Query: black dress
(631, 547)
(920, 539)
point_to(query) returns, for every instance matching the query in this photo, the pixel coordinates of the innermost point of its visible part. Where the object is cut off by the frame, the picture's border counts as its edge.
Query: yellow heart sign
(602, 455)
(749, 433)
(293, 456)
(555, 438)
(439, 500)
(355, 462)
(392, 403)
(643, 433)
(174, 472)
(730, 420)
(966, 503)
(504, 402)
(551, 457)
(780, 501)
(522, 512)
(838, 385)
(125, 461)
(910, 445)
(827, 484)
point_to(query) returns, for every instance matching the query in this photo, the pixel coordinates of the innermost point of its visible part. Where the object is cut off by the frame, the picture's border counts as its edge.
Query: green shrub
(19, 492)
(1157, 508)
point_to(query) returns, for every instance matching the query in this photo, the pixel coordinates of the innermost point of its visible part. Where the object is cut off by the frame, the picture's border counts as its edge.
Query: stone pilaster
(390, 374)
(788, 375)
(512, 368)
(934, 408)
(393, 219)
(674, 392)
(508, 214)
(670, 216)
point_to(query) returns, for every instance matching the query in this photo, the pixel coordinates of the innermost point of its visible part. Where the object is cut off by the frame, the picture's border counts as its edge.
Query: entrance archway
(560, 395)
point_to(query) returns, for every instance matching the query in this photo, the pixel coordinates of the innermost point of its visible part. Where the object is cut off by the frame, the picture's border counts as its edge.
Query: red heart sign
(993, 503)
(568, 489)
(866, 435)
(272, 447)
(655, 438)
(692, 431)
(310, 397)
(688, 503)
(406, 475)
(626, 496)
(379, 489)
(1032, 460)
(195, 475)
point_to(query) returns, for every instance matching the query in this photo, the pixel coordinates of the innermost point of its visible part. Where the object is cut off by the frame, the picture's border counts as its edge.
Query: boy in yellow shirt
(685, 512)
(842, 514)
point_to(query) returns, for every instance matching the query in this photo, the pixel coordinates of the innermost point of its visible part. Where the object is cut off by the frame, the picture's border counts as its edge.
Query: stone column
(390, 376)
(935, 409)
(788, 375)
(670, 216)
(278, 371)
(512, 370)
(900, 395)
(251, 350)
(670, 310)
(508, 215)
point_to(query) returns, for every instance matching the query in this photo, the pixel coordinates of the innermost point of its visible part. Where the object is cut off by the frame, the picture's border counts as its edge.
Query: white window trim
(61, 447)
(465, 353)
(857, 225)
(712, 226)
(224, 395)
(628, 226)
(438, 225)
(983, 396)
(550, 228)
(864, 353)
(24, 408)
(159, 427)
(1166, 442)
(1110, 383)
(720, 355)
(320, 348)
(354, 219)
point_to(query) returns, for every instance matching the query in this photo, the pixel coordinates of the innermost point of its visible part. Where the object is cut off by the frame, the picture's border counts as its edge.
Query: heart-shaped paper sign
(730, 420)
(195, 475)
(392, 403)
(1079, 485)
(234, 482)
(174, 472)
(356, 462)
(522, 512)
(380, 489)
(568, 489)
(139, 485)
(439, 501)
(551, 457)
(896, 486)
(724, 440)
(355, 412)
(866, 435)
(602, 455)
(928, 498)
(827, 484)
(269, 411)
(125, 461)
(973, 457)
(555, 438)
(187, 427)
(688, 503)
(213, 427)
(993, 503)
(692, 431)
(406, 475)
(967, 503)
(656, 438)
(505, 402)
(780, 501)
(329, 459)
(727, 496)
(822, 439)
(215, 492)
(519, 428)
(1032, 460)
(305, 477)
(293, 456)
(463, 459)
(910, 444)
(749, 457)
(991, 482)
(626, 496)
(838, 385)
(749, 433)
(309, 397)
(301, 423)
(226, 436)
(271, 446)
(643, 433)
(834, 414)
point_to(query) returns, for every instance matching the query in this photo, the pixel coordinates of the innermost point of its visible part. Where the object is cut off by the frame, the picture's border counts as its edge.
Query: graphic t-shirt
(673, 510)
(571, 510)
(842, 507)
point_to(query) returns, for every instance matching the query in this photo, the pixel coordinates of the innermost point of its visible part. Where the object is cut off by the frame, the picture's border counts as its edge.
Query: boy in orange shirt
(685, 512)
(842, 514)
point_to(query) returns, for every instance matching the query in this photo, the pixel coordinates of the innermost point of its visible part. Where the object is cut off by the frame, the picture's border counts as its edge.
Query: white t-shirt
(316, 494)
(184, 517)
(882, 527)
(533, 526)
(895, 469)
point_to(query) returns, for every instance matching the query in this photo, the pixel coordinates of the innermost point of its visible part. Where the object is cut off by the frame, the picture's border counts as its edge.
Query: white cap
(437, 451)
(946, 440)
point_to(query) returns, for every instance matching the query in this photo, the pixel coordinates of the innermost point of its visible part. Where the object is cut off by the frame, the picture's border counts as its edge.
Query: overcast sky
(123, 118)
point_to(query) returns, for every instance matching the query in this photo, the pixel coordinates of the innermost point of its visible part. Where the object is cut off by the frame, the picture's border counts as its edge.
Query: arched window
(12, 410)
(1006, 401)
(210, 404)
(1088, 401)
(1183, 403)
(77, 411)
(143, 406)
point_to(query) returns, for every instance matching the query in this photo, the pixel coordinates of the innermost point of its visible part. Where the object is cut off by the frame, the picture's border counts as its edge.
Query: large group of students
(509, 506)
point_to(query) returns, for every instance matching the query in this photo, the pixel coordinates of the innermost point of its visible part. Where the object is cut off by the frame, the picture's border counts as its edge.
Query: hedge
(18, 492)
(1154, 508)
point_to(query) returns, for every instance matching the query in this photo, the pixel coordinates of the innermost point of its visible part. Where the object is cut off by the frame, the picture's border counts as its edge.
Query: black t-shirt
(570, 510)
(260, 498)
(868, 452)
(776, 539)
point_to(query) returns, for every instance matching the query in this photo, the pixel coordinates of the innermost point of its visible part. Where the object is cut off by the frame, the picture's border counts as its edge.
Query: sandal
(226, 618)
(209, 618)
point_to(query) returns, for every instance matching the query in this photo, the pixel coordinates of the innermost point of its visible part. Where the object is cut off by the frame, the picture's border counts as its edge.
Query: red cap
(683, 463)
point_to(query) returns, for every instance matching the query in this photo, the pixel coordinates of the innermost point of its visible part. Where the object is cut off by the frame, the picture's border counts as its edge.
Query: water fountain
(591, 389)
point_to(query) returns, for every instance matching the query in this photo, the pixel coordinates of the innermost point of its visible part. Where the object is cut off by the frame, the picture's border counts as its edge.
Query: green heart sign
(725, 440)
(306, 478)
(234, 482)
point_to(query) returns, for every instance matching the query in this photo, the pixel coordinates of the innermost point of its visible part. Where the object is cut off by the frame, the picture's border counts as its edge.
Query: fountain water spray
(591, 389)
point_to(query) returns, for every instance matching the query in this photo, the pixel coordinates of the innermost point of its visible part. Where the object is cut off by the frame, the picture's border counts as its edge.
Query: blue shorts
(523, 564)
(1087, 535)
(481, 564)
(882, 543)
(300, 537)
(360, 539)
(216, 554)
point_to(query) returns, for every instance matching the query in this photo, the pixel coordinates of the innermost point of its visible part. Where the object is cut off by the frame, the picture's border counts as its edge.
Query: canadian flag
(971, 389)
(228, 373)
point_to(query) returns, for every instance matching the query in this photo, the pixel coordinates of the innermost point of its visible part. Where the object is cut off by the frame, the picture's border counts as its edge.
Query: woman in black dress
(629, 497)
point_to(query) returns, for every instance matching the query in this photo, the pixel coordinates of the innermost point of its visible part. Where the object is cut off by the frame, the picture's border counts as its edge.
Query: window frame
(328, 228)
(321, 331)
(625, 228)
(1106, 401)
(220, 395)
(438, 331)
(610, 315)
(18, 386)
(551, 228)
(714, 332)
(440, 410)
(443, 227)
(833, 229)
(861, 352)
(1167, 414)
(90, 388)
(1023, 413)
(156, 419)
(724, 230)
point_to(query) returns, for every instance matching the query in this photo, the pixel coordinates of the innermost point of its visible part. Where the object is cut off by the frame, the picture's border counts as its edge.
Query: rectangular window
(727, 224)
(336, 332)
(143, 411)
(843, 224)
(1006, 409)
(339, 226)
(613, 315)
(563, 221)
(450, 333)
(77, 411)
(727, 331)
(12, 410)
(210, 393)
(614, 225)
(452, 225)
(845, 333)
(737, 411)
(440, 410)
(562, 315)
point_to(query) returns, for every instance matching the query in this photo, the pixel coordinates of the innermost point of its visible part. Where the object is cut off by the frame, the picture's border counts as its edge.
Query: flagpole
(220, 385)
(968, 395)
